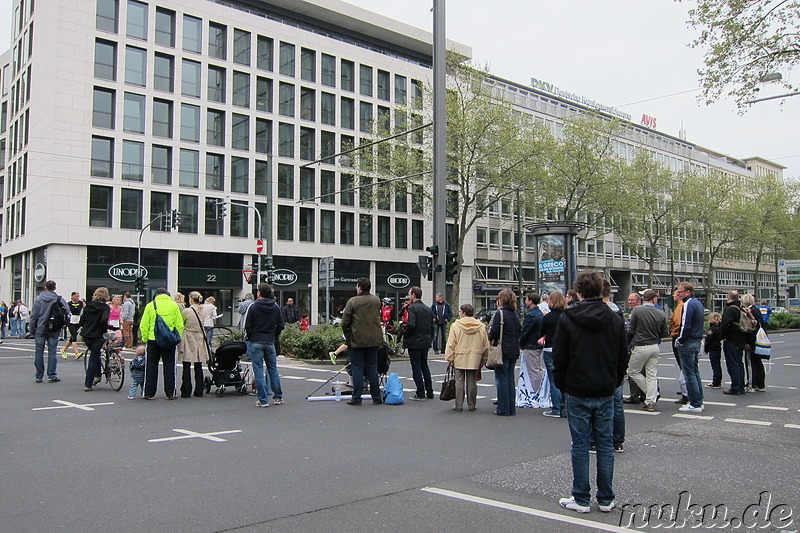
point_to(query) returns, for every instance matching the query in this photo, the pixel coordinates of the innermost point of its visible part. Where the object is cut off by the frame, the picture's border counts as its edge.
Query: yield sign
(259, 246)
(248, 274)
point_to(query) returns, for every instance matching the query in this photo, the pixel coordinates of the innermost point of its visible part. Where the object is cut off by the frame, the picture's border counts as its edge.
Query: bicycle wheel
(115, 371)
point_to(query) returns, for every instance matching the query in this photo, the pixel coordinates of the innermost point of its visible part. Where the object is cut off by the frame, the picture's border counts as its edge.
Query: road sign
(248, 274)
(259, 246)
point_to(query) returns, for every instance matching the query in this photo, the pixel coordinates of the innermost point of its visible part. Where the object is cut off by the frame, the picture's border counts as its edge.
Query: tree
(745, 40)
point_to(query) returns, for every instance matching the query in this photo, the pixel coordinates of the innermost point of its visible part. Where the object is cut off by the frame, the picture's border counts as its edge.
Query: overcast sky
(616, 52)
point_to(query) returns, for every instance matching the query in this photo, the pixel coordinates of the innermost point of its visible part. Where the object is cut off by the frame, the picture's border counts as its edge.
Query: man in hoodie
(590, 356)
(263, 327)
(688, 345)
(168, 310)
(40, 327)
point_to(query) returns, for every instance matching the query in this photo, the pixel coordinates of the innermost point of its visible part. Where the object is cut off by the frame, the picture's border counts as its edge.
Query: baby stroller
(347, 388)
(224, 363)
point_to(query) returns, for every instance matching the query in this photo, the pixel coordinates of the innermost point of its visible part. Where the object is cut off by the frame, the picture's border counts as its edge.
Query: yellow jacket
(468, 344)
(168, 310)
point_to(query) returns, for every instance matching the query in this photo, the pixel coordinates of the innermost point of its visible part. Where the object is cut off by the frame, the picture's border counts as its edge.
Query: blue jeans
(134, 386)
(420, 371)
(689, 352)
(261, 353)
(506, 388)
(439, 337)
(556, 398)
(734, 362)
(52, 344)
(14, 325)
(715, 358)
(361, 359)
(591, 418)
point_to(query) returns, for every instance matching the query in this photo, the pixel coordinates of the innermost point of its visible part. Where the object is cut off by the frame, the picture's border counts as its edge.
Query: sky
(628, 54)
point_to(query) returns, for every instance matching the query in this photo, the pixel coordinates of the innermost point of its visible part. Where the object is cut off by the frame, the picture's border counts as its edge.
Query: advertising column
(556, 259)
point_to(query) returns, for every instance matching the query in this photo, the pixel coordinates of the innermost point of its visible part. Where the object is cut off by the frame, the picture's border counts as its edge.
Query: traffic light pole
(139, 253)
(439, 146)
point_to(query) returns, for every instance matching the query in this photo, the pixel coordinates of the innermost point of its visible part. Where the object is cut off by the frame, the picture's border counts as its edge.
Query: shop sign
(39, 272)
(125, 272)
(398, 281)
(283, 277)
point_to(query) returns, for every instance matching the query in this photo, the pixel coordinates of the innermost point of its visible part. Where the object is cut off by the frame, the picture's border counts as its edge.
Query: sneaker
(732, 392)
(419, 398)
(131, 397)
(54, 380)
(352, 402)
(63, 354)
(88, 389)
(606, 508)
(38, 380)
(277, 401)
(552, 414)
(713, 386)
(683, 400)
(592, 449)
(689, 409)
(760, 389)
(618, 448)
(259, 404)
(78, 355)
(332, 355)
(649, 406)
(572, 505)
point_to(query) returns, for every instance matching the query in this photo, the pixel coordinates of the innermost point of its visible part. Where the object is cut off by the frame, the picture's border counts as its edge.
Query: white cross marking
(67, 405)
(194, 435)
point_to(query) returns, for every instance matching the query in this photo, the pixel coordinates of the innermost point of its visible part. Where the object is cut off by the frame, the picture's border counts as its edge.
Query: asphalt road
(326, 466)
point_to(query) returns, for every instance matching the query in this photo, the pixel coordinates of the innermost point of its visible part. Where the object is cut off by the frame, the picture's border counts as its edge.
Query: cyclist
(94, 323)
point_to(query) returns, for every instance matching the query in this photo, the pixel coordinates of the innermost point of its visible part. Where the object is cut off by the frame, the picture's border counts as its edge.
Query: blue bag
(167, 339)
(393, 392)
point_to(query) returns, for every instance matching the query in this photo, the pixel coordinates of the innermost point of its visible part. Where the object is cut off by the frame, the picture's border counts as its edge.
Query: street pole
(519, 256)
(258, 235)
(139, 252)
(439, 146)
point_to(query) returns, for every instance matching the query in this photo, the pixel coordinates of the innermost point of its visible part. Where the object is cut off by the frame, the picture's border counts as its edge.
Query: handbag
(763, 345)
(495, 359)
(167, 339)
(448, 385)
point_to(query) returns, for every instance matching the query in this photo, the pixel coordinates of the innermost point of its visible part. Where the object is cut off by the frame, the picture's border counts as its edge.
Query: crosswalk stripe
(748, 422)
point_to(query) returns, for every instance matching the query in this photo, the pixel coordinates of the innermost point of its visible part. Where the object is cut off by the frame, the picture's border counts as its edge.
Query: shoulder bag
(495, 359)
(203, 329)
(448, 385)
(167, 339)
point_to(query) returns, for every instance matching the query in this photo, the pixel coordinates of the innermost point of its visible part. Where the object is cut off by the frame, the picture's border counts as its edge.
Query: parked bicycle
(112, 364)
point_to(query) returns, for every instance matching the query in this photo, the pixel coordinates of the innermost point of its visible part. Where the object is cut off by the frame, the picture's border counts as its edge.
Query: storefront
(292, 279)
(115, 269)
(345, 276)
(212, 274)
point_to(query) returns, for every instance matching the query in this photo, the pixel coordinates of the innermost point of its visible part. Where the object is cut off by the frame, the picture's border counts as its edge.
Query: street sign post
(259, 246)
(326, 273)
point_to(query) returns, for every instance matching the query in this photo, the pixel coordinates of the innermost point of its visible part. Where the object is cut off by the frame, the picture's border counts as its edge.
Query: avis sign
(648, 121)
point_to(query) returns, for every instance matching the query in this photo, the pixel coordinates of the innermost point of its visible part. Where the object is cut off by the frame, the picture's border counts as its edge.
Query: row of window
(15, 219)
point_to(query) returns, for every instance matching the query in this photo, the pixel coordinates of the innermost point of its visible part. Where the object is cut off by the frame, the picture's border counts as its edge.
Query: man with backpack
(734, 340)
(48, 317)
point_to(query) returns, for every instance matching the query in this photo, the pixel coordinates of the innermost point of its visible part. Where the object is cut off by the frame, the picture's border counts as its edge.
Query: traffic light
(168, 221)
(429, 268)
(433, 264)
(450, 265)
(221, 209)
(433, 250)
(176, 219)
(137, 285)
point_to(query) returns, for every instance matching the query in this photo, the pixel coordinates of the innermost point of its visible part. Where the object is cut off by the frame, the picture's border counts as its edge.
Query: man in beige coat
(467, 350)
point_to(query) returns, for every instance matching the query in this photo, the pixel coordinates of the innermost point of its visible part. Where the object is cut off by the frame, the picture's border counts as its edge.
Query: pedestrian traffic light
(137, 285)
(167, 220)
(429, 268)
(433, 250)
(450, 265)
(176, 219)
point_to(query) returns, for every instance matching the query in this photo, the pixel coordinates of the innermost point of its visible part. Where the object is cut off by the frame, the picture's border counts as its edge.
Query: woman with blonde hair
(93, 324)
(504, 375)
(193, 348)
(211, 313)
(179, 299)
(466, 350)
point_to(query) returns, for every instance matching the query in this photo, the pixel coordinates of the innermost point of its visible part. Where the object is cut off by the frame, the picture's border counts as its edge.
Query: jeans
(362, 359)
(681, 375)
(735, 365)
(52, 361)
(591, 418)
(155, 354)
(619, 416)
(689, 352)
(556, 398)
(262, 353)
(421, 372)
(14, 325)
(94, 351)
(134, 388)
(715, 358)
(439, 337)
(209, 334)
(506, 388)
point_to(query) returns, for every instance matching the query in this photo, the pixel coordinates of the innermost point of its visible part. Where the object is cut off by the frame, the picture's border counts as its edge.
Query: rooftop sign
(552, 89)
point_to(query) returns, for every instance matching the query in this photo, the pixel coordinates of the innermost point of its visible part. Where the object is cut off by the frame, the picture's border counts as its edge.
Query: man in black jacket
(734, 342)
(590, 357)
(263, 325)
(417, 340)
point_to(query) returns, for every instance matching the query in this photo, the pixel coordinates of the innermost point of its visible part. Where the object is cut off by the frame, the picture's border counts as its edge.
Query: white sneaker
(689, 409)
(572, 505)
(607, 508)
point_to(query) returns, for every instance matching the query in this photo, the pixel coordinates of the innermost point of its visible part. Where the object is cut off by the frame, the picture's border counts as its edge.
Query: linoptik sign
(283, 277)
(125, 272)
(398, 281)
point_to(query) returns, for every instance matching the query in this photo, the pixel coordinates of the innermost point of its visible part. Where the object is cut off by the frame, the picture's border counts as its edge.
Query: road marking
(527, 510)
(768, 407)
(641, 412)
(791, 426)
(68, 405)
(186, 434)
(723, 404)
(293, 377)
(316, 380)
(791, 364)
(750, 422)
(782, 357)
(698, 417)
(779, 387)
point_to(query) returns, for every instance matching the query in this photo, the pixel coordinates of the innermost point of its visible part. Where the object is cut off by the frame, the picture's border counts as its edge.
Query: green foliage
(312, 344)
(784, 321)
(225, 338)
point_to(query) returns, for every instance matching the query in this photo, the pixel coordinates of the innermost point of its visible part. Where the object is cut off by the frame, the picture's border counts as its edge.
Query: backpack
(393, 393)
(57, 318)
(167, 339)
(747, 324)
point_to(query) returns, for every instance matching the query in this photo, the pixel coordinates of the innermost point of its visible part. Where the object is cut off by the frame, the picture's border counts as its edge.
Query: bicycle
(112, 364)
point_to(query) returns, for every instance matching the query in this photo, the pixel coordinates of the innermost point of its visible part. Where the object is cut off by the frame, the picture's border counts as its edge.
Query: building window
(100, 206)
(306, 183)
(240, 174)
(285, 223)
(160, 202)
(262, 178)
(241, 47)
(263, 136)
(215, 127)
(239, 220)
(264, 52)
(307, 148)
(192, 34)
(190, 123)
(365, 80)
(135, 66)
(348, 75)
(384, 85)
(308, 99)
(103, 108)
(136, 25)
(346, 234)
(105, 60)
(102, 157)
(365, 117)
(107, 15)
(163, 73)
(348, 113)
(285, 181)
(417, 199)
(285, 140)
(327, 186)
(286, 99)
(190, 78)
(400, 233)
(161, 166)
(327, 146)
(215, 173)
(400, 197)
(132, 161)
(165, 27)
(264, 94)
(187, 206)
(213, 224)
(328, 108)
(130, 209)
(189, 175)
(217, 41)
(400, 89)
(365, 230)
(480, 238)
(328, 70)
(308, 65)
(287, 59)
(417, 237)
(133, 119)
(216, 84)
(306, 224)
(416, 87)
(347, 194)
(384, 238)
(241, 89)
(240, 132)
(327, 226)
(162, 118)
